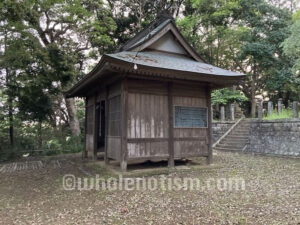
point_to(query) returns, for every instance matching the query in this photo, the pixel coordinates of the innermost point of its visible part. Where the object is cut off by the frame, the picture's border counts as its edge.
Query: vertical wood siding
(190, 141)
(147, 116)
(114, 127)
(90, 111)
(147, 122)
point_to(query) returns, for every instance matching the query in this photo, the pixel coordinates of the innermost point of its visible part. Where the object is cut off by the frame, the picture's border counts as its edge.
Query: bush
(10, 154)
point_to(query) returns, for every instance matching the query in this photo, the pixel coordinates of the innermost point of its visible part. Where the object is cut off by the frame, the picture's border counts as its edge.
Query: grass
(285, 114)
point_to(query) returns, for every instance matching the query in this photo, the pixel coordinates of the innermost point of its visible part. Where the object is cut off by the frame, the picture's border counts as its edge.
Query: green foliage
(47, 45)
(211, 27)
(268, 27)
(291, 45)
(225, 96)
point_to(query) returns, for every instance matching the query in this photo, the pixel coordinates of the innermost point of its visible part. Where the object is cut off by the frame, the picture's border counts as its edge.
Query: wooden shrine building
(151, 99)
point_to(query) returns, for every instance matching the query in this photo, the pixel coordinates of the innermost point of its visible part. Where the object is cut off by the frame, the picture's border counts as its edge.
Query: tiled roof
(172, 62)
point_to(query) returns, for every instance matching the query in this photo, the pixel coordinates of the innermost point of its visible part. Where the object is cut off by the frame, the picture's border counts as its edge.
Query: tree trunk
(73, 121)
(40, 138)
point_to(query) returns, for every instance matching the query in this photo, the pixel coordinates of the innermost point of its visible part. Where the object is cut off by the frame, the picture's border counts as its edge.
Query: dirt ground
(33, 193)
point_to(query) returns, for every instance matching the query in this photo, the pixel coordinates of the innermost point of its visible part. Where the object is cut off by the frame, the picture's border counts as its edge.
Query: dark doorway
(100, 112)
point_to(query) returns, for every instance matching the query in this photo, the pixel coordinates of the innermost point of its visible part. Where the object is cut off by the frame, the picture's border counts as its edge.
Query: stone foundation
(278, 137)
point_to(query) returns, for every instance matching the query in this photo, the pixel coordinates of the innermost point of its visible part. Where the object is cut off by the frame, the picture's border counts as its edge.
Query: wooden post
(95, 129)
(106, 159)
(209, 128)
(270, 108)
(260, 109)
(222, 113)
(279, 106)
(171, 125)
(295, 109)
(232, 111)
(124, 109)
(85, 153)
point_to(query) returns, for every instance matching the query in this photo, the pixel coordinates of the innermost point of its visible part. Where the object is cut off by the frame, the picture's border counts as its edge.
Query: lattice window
(114, 116)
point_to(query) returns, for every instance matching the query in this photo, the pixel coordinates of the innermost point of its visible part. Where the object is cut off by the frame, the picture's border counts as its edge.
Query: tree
(225, 96)
(211, 28)
(261, 51)
(291, 47)
(63, 35)
(131, 16)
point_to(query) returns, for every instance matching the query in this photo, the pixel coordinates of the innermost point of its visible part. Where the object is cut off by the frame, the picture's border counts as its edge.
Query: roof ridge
(145, 31)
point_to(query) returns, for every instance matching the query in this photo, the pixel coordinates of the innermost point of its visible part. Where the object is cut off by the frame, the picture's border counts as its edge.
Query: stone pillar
(222, 113)
(232, 111)
(279, 105)
(260, 109)
(270, 108)
(212, 113)
(295, 109)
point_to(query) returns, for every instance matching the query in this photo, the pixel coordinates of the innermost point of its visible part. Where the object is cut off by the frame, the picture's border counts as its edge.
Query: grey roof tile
(172, 62)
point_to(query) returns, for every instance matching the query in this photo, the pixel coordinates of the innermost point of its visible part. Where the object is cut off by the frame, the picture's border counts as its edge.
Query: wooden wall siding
(190, 101)
(190, 90)
(101, 94)
(114, 147)
(147, 116)
(114, 116)
(90, 111)
(90, 100)
(147, 125)
(147, 87)
(189, 132)
(114, 90)
(190, 148)
(190, 141)
(114, 127)
(150, 149)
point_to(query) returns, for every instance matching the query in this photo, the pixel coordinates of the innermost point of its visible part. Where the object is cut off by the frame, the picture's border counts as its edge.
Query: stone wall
(220, 128)
(278, 137)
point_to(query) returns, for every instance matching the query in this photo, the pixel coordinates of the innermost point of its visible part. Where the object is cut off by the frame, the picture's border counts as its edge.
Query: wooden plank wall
(90, 111)
(114, 121)
(190, 141)
(147, 121)
(147, 125)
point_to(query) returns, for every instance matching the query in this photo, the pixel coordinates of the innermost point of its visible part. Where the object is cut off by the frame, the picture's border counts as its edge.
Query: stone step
(232, 142)
(239, 132)
(228, 149)
(235, 146)
(234, 136)
(243, 126)
(245, 130)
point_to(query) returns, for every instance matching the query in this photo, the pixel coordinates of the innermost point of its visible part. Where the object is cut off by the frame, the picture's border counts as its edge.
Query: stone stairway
(237, 139)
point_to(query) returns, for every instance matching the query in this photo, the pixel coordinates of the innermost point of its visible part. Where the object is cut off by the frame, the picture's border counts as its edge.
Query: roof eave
(128, 67)
(91, 76)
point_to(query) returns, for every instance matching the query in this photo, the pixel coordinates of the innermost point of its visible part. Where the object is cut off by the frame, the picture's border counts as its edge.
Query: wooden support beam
(171, 125)
(209, 127)
(124, 110)
(85, 152)
(106, 159)
(96, 122)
